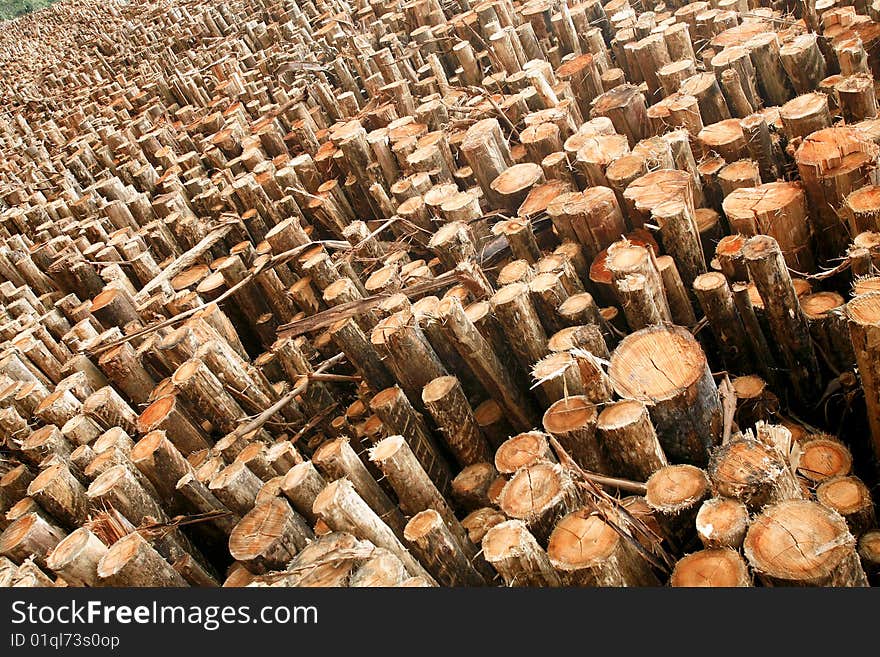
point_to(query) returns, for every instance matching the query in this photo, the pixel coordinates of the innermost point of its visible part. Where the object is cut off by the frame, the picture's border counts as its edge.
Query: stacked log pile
(415, 293)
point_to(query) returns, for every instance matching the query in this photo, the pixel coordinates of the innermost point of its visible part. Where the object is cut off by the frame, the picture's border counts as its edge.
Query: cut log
(675, 493)
(516, 555)
(269, 536)
(539, 495)
(589, 552)
(757, 475)
(628, 440)
(722, 523)
(851, 499)
(666, 369)
(716, 567)
(802, 543)
(132, 561)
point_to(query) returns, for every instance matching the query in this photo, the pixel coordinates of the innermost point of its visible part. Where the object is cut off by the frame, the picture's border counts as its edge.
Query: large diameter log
(716, 567)
(666, 369)
(439, 550)
(342, 509)
(513, 551)
(750, 471)
(76, 558)
(269, 536)
(777, 209)
(132, 561)
(802, 543)
(587, 551)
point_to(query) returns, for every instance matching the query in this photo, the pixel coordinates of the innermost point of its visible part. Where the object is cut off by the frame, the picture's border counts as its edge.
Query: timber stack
(410, 293)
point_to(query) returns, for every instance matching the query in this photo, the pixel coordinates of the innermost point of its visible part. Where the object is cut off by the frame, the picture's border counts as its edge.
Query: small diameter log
(167, 414)
(489, 370)
(343, 510)
(862, 209)
(124, 369)
(198, 497)
(301, 485)
(681, 236)
(589, 552)
(863, 315)
(336, 459)
(851, 499)
(716, 567)
(666, 369)
(448, 406)
(629, 441)
(788, 325)
(826, 315)
(539, 495)
(754, 473)
(29, 536)
(802, 543)
(163, 464)
(722, 523)
(637, 281)
(207, 395)
(106, 407)
(559, 375)
(440, 551)
(680, 305)
(803, 62)
(716, 300)
(513, 551)
(523, 450)
(625, 106)
(858, 100)
(675, 493)
(415, 490)
(407, 352)
(470, 488)
(572, 421)
(515, 312)
(76, 558)
(397, 414)
(269, 536)
(805, 114)
(773, 82)
(823, 457)
(706, 89)
(58, 491)
(237, 487)
(132, 561)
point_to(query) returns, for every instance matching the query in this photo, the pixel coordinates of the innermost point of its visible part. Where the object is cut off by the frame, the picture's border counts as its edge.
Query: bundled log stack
(415, 294)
